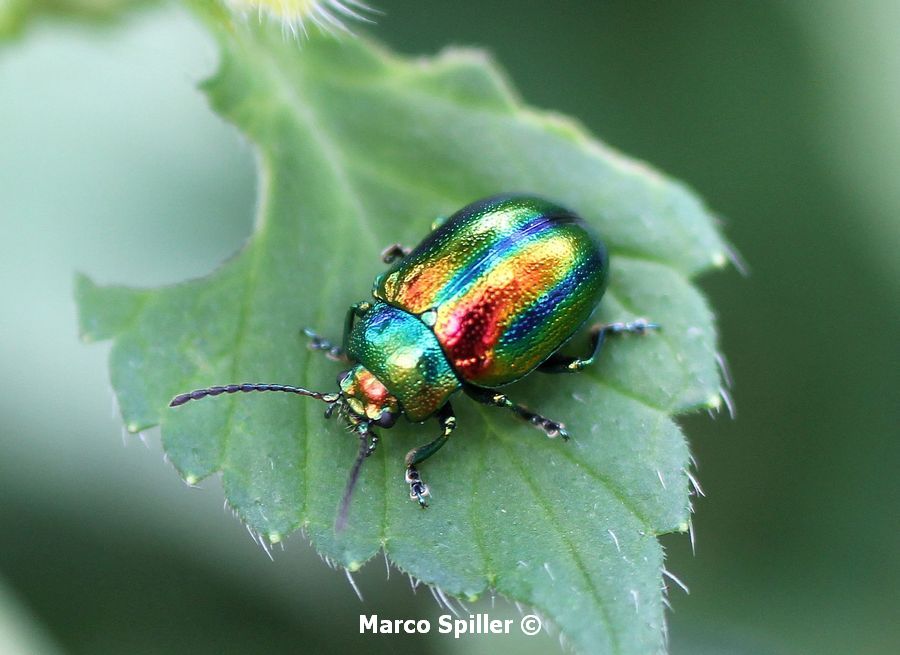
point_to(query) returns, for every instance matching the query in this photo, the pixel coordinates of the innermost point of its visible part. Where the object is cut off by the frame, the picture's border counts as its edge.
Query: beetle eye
(342, 376)
(387, 419)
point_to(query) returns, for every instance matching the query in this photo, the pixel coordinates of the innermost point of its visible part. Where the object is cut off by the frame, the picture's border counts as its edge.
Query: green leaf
(359, 148)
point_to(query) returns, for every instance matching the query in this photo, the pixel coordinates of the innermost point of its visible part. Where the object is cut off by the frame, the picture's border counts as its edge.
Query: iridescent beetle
(489, 296)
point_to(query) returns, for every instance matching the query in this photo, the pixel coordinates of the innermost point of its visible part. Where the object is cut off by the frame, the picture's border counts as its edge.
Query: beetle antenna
(246, 388)
(368, 440)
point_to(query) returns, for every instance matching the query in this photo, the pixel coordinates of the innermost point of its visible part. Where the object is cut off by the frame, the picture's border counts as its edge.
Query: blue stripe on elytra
(547, 304)
(543, 307)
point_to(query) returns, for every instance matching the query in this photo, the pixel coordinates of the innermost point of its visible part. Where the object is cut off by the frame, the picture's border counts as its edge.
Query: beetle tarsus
(551, 428)
(417, 487)
(559, 363)
(332, 352)
(373, 444)
(394, 252)
(637, 326)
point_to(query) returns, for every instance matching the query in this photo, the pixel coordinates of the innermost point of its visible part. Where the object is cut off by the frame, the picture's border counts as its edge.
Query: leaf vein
(573, 551)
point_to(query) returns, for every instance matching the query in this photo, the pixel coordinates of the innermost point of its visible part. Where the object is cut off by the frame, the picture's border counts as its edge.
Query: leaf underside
(358, 149)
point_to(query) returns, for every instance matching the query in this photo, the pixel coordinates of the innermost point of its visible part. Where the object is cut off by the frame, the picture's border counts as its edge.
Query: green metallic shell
(503, 283)
(406, 357)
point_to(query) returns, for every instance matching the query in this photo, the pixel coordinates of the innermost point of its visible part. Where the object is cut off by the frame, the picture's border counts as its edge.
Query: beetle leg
(490, 397)
(558, 363)
(394, 252)
(332, 352)
(417, 487)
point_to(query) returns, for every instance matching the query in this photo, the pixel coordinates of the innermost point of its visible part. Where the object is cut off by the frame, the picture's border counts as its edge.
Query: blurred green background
(783, 115)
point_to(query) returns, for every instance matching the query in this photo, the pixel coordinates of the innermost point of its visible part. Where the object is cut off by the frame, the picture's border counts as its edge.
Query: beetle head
(363, 401)
(366, 399)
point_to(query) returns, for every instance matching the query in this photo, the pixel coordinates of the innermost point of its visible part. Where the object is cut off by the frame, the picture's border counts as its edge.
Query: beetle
(490, 295)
